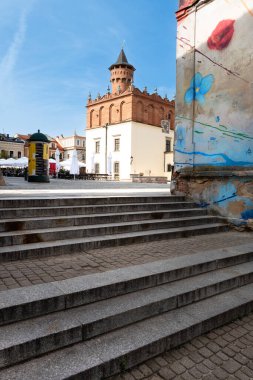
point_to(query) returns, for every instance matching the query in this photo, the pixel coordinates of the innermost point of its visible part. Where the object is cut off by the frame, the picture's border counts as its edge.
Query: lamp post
(106, 127)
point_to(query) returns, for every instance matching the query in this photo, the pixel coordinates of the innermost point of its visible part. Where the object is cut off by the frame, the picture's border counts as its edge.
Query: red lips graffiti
(222, 35)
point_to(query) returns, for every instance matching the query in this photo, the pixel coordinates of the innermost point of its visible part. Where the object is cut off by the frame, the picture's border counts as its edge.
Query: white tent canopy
(67, 164)
(11, 162)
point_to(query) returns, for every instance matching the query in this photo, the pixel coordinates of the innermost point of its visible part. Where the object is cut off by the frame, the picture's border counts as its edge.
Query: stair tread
(100, 351)
(78, 216)
(107, 225)
(92, 206)
(23, 247)
(35, 328)
(83, 286)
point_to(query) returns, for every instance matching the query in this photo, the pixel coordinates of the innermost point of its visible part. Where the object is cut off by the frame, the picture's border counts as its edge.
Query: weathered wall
(214, 104)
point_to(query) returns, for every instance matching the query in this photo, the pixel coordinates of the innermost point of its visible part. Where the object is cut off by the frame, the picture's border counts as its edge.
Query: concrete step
(80, 220)
(126, 347)
(28, 339)
(86, 200)
(38, 300)
(31, 212)
(63, 233)
(58, 247)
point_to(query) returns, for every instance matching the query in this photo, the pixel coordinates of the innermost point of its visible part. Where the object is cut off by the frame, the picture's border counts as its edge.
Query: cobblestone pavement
(36, 271)
(224, 353)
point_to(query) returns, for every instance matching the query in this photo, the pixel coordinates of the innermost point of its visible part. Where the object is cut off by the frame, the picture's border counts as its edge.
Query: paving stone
(248, 352)
(220, 373)
(241, 376)
(205, 352)
(247, 371)
(187, 362)
(213, 346)
(167, 374)
(209, 364)
(186, 376)
(145, 370)
(231, 366)
(196, 373)
(177, 368)
(216, 360)
(194, 356)
(202, 368)
(137, 375)
(160, 361)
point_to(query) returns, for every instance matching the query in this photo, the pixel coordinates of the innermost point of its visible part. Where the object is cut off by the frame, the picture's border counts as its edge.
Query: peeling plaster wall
(214, 104)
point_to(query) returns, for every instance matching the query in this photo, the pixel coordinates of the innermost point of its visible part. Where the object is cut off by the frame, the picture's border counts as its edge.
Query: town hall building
(129, 132)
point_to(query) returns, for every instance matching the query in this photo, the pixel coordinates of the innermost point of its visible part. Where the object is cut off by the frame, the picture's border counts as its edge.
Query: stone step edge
(95, 206)
(111, 214)
(72, 326)
(98, 200)
(111, 225)
(28, 302)
(77, 243)
(119, 350)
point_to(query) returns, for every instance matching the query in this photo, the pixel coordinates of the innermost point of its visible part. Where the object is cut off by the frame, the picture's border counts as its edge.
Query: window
(168, 145)
(96, 168)
(83, 143)
(78, 142)
(97, 147)
(169, 168)
(116, 167)
(19, 154)
(116, 170)
(11, 153)
(116, 145)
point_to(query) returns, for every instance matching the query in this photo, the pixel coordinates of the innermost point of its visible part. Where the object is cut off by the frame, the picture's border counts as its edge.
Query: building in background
(53, 145)
(11, 147)
(214, 112)
(69, 144)
(128, 131)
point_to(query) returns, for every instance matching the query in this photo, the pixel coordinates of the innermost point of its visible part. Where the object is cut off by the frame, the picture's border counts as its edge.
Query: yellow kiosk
(38, 165)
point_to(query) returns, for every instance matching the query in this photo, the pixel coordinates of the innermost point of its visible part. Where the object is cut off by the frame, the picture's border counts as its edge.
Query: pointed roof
(122, 60)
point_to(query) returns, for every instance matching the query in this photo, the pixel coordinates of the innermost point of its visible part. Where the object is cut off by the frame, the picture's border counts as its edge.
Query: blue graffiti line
(222, 128)
(247, 214)
(224, 199)
(205, 204)
(228, 160)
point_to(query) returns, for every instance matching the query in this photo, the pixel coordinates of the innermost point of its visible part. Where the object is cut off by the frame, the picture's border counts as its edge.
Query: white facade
(131, 148)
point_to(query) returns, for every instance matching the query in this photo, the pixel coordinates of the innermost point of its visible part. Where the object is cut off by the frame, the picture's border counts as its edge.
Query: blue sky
(54, 52)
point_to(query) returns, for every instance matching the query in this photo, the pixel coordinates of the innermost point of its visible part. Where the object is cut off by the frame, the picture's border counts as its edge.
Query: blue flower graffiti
(199, 86)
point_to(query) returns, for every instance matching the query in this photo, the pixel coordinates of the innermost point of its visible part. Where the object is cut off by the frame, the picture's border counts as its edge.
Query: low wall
(230, 193)
(149, 179)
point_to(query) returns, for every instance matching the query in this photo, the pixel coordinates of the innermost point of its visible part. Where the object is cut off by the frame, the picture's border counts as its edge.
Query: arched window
(150, 114)
(101, 116)
(139, 111)
(91, 118)
(111, 112)
(123, 113)
(162, 115)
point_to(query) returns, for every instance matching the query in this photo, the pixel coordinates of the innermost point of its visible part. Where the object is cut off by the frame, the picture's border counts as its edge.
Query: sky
(54, 52)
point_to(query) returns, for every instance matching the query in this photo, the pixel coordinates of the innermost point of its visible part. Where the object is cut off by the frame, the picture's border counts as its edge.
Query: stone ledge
(148, 179)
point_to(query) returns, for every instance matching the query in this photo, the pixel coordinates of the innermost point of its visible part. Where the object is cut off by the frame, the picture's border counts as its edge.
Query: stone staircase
(94, 326)
(44, 227)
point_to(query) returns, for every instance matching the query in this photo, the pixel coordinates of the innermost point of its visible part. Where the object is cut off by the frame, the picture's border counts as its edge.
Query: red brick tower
(126, 102)
(121, 74)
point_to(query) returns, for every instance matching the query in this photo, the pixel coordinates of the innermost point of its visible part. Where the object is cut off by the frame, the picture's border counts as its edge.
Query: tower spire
(121, 73)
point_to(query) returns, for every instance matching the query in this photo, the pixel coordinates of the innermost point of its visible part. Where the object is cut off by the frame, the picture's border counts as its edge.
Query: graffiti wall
(214, 103)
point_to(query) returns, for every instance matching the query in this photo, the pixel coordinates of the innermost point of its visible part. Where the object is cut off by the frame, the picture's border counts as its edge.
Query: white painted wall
(148, 147)
(145, 143)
